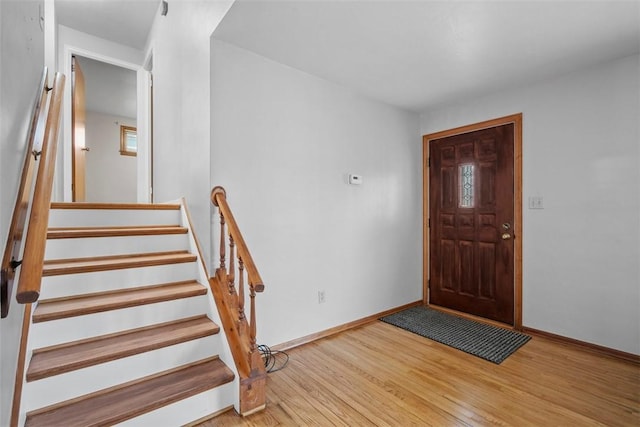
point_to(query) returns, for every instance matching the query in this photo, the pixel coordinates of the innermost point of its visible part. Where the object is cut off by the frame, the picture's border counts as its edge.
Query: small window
(128, 141)
(466, 186)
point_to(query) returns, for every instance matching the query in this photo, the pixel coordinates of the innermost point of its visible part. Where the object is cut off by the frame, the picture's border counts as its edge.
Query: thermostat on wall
(355, 179)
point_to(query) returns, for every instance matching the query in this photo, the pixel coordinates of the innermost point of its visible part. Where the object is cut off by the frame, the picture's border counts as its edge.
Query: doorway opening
(64, 187)
(472, 239)
(104, 120)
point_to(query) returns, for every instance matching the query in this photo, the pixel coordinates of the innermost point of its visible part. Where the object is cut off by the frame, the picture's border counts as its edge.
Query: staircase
(126, 329)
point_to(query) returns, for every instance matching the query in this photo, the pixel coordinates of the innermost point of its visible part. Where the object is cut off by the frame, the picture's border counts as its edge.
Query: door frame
(516, 119)
(143, 119)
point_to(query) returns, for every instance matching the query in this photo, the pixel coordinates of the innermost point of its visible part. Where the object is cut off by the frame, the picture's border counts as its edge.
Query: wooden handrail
(241, 329)
(10, 259)
(33, 259)
(219, 198)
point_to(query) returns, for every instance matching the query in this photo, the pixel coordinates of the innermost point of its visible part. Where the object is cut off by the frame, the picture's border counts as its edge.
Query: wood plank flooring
(380, 375)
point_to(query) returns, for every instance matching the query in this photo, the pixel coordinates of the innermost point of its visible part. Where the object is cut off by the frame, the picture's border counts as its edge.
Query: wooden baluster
(222, 241)
(240, 289)
(231, 278)
(252, 327)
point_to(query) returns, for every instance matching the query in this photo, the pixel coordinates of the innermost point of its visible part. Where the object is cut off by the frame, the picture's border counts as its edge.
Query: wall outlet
(536, 202)
(321, 297)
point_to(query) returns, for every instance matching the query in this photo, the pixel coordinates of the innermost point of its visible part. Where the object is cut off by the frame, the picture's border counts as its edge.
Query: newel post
(214, 199)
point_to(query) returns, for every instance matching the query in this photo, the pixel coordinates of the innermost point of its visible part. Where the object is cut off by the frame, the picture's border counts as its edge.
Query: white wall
(50, 35)
(179, 43)
(110, 176)
(283, 143)
(581, 252)
(21, 62)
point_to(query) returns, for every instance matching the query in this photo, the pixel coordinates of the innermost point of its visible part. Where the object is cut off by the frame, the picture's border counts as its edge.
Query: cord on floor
(271, 357)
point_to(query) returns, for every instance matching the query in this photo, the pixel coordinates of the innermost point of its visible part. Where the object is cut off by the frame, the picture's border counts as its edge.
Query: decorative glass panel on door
(466, 186)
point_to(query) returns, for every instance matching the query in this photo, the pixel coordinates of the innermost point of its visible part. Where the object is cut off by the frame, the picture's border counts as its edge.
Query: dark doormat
(486, 341)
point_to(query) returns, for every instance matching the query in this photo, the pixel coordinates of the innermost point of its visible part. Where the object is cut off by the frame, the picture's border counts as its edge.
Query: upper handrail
(33, 258)
(10, 259)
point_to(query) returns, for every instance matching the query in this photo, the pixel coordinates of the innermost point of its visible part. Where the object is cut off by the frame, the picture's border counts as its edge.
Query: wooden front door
(78, 135)
(471, 221)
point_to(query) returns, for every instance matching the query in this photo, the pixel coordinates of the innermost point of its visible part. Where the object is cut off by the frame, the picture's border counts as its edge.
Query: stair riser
(111, 217)
(59, 331)
(58, 388)
(188, 410)
(105, 246)
(83, 283)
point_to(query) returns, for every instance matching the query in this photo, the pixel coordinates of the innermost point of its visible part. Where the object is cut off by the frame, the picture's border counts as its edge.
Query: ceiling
(411, 54)
(420, 54)
(127, 22)
(109, 89)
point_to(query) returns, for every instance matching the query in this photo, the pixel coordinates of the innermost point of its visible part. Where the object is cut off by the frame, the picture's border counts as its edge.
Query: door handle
(85, 149)
(506, 236)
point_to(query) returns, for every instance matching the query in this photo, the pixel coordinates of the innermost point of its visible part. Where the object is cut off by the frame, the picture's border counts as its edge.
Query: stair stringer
(198, 406)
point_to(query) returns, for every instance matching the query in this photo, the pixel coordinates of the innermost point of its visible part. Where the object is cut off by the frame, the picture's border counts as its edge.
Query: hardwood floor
(380, 375)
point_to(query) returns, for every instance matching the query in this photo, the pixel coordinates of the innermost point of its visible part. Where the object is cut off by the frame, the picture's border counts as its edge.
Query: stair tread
(122, 206)
(113, 231)
(70, 356)
(114, 262)
(123, 402)
(78, 305)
